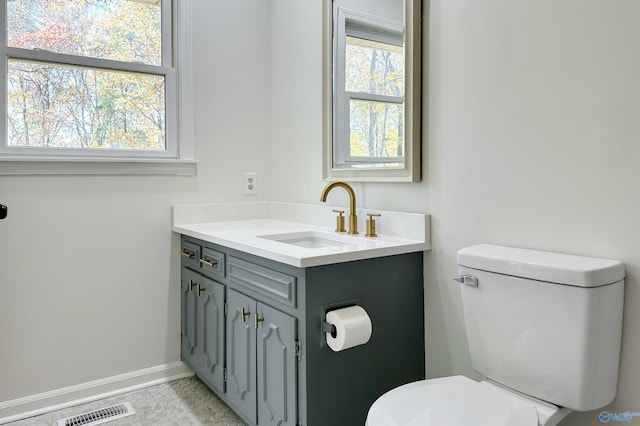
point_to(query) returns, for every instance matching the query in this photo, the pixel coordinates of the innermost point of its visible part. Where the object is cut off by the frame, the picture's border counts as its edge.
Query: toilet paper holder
(346, 327)
(328, 328)
(325, 327)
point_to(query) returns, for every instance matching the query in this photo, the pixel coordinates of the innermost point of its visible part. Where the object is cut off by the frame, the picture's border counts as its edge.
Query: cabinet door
(210, 324)
(277, 367)
(189, 316)
(241, 354)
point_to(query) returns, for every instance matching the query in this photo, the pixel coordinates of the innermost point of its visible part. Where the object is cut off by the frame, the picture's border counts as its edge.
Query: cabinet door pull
(245, 314)
(191, 284)
(200, 289)
(258, 320)
(209, 264)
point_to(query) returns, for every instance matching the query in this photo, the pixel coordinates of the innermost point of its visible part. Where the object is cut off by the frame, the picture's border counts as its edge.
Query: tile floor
(184, 402)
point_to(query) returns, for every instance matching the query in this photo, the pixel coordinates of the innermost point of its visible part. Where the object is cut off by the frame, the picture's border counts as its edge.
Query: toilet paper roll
(353, 328)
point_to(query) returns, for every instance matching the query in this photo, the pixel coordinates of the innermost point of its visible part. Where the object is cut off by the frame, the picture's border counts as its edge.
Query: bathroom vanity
(253, 311)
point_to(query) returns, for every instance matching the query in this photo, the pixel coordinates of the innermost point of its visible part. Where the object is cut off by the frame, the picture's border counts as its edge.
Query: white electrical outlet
(249, 183)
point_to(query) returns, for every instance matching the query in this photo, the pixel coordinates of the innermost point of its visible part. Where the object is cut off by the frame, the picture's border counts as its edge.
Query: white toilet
(545, 330)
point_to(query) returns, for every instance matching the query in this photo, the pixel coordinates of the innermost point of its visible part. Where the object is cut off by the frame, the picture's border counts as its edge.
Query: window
(369, 121)
(88, 79)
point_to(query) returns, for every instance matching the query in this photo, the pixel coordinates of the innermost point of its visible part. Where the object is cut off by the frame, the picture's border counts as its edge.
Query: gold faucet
(353, 219)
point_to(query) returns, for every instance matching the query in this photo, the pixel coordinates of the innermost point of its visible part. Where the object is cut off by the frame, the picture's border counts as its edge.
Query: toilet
(543, 328)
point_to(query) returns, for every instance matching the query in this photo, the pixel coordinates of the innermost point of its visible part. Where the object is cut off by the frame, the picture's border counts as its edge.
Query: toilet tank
(545, 324)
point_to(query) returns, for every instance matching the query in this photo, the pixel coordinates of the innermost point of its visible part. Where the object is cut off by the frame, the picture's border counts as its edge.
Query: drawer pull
(209, 264)
(245, 314)
(186, 254)
(258, 320)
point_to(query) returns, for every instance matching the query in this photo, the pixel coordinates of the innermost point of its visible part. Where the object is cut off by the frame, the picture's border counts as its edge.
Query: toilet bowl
(460, 401)
(517, 304)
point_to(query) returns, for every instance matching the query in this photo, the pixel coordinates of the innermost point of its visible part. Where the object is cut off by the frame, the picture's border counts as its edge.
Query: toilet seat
(456, 401)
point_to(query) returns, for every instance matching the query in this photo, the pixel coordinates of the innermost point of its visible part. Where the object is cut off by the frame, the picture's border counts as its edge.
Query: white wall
(534, 143)
(531, 140)
(89, 279)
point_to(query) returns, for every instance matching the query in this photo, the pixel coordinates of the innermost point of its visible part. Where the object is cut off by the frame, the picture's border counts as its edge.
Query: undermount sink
(311, 239)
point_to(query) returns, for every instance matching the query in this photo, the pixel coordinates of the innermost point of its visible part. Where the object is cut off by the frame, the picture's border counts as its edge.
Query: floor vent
(100, 416)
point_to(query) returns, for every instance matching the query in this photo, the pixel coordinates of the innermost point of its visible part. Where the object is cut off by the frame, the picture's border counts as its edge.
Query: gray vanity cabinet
(203, 327)
(257, 324)
(189, 301)
(241, 354)
(277, 362)
(261, 361)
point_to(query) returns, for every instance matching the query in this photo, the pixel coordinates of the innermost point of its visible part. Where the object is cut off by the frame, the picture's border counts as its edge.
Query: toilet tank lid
(542, 265)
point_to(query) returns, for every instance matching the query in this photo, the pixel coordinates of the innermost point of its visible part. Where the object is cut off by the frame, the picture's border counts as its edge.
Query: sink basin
(310, 239)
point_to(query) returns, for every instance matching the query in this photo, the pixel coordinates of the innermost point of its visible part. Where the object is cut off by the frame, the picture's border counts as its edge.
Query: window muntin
(81, 83)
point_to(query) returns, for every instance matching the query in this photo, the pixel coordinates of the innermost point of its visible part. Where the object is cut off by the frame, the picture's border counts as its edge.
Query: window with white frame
(369, 91)
(88, 79)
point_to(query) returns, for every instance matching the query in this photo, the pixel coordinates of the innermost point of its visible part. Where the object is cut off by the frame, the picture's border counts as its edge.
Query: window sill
(66, 166)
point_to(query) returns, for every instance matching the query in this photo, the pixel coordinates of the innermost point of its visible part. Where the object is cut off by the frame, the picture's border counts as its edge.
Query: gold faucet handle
(340, 221)
(371, 225)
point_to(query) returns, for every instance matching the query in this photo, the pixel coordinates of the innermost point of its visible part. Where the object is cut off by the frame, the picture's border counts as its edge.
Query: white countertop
(256, 222)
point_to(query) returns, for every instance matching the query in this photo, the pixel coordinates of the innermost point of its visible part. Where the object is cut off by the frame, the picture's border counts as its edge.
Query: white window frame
(361, 25)
(178, 158)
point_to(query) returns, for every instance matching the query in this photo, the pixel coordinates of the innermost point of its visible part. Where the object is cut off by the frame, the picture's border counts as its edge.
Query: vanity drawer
(267, 282)
(212, 262)
(190, 254)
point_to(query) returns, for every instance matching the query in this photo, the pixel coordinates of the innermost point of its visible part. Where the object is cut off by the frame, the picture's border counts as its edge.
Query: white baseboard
(58, 399)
